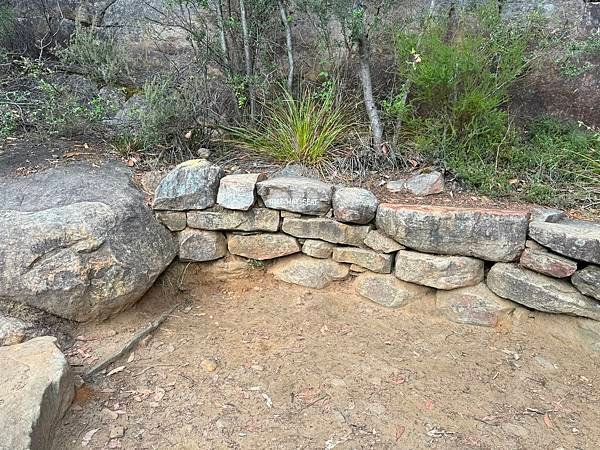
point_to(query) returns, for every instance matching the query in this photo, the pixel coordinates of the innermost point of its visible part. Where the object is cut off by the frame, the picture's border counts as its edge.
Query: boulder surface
(36, 389)
(573, 238)
(537, 291)
(490, 234)
(78, 241)
(296, 194)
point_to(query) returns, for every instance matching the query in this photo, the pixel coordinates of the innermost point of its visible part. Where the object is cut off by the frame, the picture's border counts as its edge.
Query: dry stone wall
(479, 262)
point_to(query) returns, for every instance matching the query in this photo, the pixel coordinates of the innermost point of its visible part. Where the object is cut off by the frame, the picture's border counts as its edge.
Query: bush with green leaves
(295, 129)
(99, 57)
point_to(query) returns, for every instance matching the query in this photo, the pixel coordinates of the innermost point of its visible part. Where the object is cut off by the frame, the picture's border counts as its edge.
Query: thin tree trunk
(248, 59)
(364, 73)
(222, 37)
(288, 43)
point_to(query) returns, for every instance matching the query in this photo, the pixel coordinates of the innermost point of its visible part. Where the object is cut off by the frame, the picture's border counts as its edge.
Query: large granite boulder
(36, 389)
(296, 194)
(573, 238)
(587, 281)
(438, 271)
(191, 185)
(78, 241)
(537, 291)
(354, 205)
(489, 234)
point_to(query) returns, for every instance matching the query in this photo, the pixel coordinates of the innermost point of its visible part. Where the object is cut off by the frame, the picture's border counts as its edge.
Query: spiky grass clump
(295, 129)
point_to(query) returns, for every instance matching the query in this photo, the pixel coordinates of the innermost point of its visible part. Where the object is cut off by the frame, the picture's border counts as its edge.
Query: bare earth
(299, 368)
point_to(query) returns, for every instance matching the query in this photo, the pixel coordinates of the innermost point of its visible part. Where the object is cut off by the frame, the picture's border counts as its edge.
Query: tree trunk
(364, 73)
(248, 59)
(222, 37)
(288, 44)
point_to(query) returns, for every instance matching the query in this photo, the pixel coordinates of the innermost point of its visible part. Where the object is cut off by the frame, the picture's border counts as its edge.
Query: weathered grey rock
(542, 214)
(537, 291)
(317, 249)
(173, 220)
(36, 389)
(354, 205)
(357, 269)
(421, 184)
(369, 259)
(494, 235)
(78, 241)
(387, 290)
(573, 238)
(296, 170)
(131, 112)
(326, 230)
(12, 330)
(217, 218)
(113, 98)
(308, 272)
(440, 272)
(262, 246)
(587, 281)
(191, 185)
(230, 267)
(200, 245)
(239, 191)
(381, 243)
(537, 258)
(296, 194)
(473, 305)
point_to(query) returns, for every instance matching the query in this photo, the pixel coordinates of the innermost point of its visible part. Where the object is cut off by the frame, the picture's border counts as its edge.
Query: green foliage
(303, 129)
(573, 62)
(100, 57)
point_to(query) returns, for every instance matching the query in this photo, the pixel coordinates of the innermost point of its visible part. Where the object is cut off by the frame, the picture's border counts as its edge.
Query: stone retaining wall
(478, 261)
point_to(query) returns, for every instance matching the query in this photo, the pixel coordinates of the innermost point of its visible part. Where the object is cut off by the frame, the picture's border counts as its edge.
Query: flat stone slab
(36, 389)
(256, 219)
(262, 246)
(296, 194)
(537, 291)
(173, 220)
(317, 249)
(389, 291)
(473, 305)
(13, 331)
(587, 281)
(369, 259)
(190, 185)
(573, 238)
(201, 245)
(420, 184)
(381, 243)
(539, 259)
(440, 272)
(489, 234)
(238, 191)
(326, 230)
(354, 205)
(308, 272)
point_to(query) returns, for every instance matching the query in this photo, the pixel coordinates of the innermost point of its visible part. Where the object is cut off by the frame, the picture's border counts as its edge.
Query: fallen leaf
(115, 370)
(87, 437)
(547, 421)
(399, 431)
(131, 357)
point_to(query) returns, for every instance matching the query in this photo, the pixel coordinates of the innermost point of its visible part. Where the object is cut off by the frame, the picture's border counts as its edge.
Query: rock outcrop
(78, 241)
(36, 389)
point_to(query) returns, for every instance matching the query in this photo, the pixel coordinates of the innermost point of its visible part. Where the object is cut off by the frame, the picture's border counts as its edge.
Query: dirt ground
(254, 363)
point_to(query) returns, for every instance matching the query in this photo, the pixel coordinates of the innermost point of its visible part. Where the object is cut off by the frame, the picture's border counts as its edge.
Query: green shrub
(100, 57)
(303, 129)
